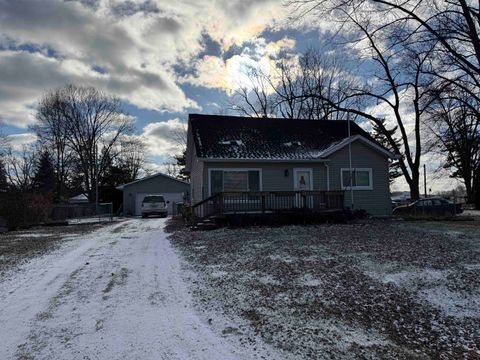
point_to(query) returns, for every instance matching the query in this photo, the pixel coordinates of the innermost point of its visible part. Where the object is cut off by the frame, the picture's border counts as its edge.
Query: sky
(163, 59)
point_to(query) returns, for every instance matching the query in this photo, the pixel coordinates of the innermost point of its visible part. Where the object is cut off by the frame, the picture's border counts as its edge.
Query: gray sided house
(172, 189)
(285, 163)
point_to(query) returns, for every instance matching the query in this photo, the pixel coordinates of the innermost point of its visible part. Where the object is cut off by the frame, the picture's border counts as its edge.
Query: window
(153, 199)
(234, 180)
(361, 179)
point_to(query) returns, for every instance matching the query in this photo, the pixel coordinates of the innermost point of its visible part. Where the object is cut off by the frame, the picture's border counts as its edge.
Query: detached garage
(173, 190)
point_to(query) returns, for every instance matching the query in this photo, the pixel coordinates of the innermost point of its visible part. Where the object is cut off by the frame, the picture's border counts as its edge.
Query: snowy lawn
(17, 247)
(377, 289)
(114, 292)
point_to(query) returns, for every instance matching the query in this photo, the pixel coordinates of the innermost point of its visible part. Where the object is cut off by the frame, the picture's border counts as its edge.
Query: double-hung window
(235, 180)
(361, 179)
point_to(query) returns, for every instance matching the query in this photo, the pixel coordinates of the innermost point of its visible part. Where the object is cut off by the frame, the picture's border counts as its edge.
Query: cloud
(26, 76)
(165, 139)
(233, 73)
(17, 141)
(127, 47)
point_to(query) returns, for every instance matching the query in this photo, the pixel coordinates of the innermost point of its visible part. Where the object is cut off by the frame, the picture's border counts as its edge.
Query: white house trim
(328, 175)
(232, 169)
(121, 187)
(347, 141)
(370, 187)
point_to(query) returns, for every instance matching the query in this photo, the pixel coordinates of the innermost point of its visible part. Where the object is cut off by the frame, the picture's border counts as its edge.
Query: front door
(302, 179)
(302, 182)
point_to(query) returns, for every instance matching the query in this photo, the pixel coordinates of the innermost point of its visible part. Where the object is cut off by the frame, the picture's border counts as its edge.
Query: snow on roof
(231, 142)
(292, 143)
(79, 197)
(120, 187)
(272, 139)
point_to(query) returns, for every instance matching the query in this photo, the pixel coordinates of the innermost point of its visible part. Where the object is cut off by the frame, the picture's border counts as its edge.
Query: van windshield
(153, 199)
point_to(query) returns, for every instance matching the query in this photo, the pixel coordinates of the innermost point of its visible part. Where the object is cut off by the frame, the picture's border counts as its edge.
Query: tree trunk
(469, 189)
(476, 187)
(414, 186)
(414, 192)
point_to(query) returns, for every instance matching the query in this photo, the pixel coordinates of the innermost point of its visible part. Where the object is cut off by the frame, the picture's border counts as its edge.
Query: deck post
(221, 203)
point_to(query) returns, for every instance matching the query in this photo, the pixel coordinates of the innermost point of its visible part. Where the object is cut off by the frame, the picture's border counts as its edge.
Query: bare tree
(400, 73)
(20, 167)
(254, 99)
(172, 168)
(454, 124)
(132, 156)
(53, 134)
(92, 124)
(280, 93)
(175, 166)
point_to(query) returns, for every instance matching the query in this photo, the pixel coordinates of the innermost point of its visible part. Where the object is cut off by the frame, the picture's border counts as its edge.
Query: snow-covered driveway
(116, 293)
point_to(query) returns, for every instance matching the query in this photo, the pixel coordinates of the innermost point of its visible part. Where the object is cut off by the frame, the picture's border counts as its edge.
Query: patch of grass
(358, 290)
(19, 246)
(174, 224)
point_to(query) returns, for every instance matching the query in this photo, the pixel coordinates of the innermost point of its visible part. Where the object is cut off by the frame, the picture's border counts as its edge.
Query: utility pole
(425, 180)
(96, 179)
(350, 160)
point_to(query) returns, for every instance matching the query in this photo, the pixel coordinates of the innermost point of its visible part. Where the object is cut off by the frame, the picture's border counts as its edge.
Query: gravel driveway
(116, 293)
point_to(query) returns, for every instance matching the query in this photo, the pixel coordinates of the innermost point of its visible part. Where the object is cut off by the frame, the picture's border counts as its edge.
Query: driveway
(116, 293)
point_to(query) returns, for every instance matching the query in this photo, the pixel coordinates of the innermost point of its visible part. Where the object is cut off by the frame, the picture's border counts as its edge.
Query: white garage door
(172, 197)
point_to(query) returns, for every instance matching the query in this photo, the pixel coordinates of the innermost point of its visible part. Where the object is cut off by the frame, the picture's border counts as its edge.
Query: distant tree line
(84, 141)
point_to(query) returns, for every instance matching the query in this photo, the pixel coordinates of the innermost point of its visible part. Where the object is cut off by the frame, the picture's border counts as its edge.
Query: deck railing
(267, 202)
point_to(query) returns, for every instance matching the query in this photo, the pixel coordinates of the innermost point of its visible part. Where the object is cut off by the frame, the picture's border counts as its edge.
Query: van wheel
(144, 216)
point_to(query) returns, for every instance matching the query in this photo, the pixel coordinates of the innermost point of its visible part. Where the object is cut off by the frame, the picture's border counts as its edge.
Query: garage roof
(121, 187)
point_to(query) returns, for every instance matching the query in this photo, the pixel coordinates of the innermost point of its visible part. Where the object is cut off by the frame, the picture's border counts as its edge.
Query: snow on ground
(374, 289)
(116, 293)
(93, 220)
(33, 235)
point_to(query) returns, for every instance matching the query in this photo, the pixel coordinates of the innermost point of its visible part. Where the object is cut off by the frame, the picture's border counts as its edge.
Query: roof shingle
(232, 137)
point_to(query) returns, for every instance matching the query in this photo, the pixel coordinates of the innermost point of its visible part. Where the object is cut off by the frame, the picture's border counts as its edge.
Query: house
(240, 164)
(79, 199)
(173, 190)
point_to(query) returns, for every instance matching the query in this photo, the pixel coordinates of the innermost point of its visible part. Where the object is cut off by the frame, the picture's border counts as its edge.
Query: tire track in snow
(118, 295)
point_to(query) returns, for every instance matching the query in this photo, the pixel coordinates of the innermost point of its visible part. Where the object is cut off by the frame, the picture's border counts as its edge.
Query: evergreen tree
(3, 177)
(181, 162)
(394, 166)
(44, 178)
(116, 175)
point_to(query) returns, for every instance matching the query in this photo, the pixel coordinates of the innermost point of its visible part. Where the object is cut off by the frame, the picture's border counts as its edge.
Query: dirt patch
(19, 246)
(174, 224)
(367, 290)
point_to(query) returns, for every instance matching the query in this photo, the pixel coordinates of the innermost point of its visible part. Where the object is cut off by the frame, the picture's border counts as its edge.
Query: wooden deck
(268, 202)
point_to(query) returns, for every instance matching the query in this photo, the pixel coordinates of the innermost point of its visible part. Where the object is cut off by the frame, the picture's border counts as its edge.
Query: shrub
(25, 209)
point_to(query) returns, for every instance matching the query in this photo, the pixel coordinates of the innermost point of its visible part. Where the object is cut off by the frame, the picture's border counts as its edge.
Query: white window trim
(232, 169)
(310, 170)
(370, 187)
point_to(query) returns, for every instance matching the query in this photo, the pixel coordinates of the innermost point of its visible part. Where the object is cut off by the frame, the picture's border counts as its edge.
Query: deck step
(205, 224)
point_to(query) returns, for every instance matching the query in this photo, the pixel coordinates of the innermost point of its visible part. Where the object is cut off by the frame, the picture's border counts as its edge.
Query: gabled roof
(121, 187)
(244, 138)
